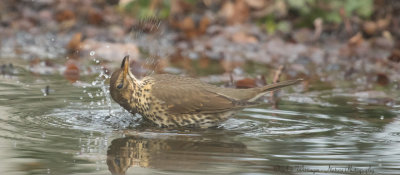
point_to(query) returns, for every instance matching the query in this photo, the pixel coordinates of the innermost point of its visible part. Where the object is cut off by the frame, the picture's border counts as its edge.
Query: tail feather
(273, 87)
(280, 85)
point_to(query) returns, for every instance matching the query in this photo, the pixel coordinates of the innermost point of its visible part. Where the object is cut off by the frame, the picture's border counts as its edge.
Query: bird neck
(134, 82)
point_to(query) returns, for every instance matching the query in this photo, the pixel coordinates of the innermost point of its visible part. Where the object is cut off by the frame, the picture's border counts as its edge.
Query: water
(77, 129)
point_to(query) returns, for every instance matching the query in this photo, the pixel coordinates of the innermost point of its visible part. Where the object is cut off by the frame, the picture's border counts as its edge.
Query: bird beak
(125, 66)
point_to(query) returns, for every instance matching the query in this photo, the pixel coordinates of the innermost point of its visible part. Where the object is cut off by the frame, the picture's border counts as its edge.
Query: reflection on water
(183, 153)
(75, 130)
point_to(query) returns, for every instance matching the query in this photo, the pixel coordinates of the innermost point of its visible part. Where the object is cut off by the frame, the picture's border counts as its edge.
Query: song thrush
(175, 101)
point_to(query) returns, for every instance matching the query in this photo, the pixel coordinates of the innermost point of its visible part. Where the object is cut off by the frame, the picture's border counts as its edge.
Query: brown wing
(187, 95)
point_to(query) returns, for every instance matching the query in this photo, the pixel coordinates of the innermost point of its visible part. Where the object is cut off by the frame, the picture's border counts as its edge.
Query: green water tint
(69, 131)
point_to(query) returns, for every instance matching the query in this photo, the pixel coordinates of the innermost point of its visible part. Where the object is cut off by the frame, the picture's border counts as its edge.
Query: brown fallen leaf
(370, 27)
(188, 26)
(65, 15)
(75, 43)
(236, 12)
(382, 79)
(95, 17)
(179, 7)
(384, 22)
(71, 72)
(256, 4)
(395, 56)
(193, 25)
(356, 39)
(203, 25)
(244, 38)
(246, 83)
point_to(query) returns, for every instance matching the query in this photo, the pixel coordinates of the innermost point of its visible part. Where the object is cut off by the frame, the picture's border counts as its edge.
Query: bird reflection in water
(181, 153)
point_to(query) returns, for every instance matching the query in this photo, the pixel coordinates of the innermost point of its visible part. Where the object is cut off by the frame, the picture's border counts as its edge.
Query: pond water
(77, 129)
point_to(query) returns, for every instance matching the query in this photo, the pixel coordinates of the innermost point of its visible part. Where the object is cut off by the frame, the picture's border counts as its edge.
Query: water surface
(77, 129)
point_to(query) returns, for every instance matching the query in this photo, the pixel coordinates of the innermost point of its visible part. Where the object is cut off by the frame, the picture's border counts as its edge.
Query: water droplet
(43, 134)
(81, 98)
(90, 95)
(94, 83)
(92, 53)
(97, 61)
(382, 117)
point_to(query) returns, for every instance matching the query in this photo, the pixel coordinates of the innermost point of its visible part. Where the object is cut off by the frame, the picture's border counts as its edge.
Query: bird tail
(275, 86)
(279, 85)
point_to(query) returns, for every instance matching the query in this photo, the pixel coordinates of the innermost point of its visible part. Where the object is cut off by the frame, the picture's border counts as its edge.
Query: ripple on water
(98, 119)
(256, 140)
(257, 122)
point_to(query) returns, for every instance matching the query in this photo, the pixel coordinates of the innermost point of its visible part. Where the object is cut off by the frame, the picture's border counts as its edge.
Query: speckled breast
(156, 111)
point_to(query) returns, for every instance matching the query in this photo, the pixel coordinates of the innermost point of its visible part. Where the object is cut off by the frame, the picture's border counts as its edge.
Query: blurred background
(56, 58)
(329, 41)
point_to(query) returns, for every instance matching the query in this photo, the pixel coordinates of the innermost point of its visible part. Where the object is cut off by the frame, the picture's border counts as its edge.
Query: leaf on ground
(382, 79)
(65, 15)
(244, 38)
(235, 12)
(256, 4)
(395, 56)
(95, 17)
(246, 83)
(71, 72)
(75, 43)
(370, 27)
(356, 39)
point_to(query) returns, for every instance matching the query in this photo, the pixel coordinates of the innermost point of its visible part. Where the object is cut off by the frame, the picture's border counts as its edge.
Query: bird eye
(120, 86)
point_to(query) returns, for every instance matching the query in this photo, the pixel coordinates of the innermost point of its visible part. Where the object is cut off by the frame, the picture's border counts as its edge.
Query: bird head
(122, 84)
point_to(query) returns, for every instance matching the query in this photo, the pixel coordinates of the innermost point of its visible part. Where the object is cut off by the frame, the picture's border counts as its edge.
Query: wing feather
(187, 95)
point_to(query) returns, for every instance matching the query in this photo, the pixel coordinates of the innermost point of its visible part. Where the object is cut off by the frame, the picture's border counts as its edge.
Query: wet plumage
(172, 100)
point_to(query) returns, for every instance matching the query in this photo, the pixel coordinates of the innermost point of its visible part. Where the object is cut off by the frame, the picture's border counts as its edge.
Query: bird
(152, 152)
(168, 100)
